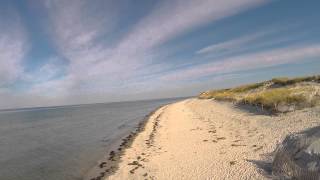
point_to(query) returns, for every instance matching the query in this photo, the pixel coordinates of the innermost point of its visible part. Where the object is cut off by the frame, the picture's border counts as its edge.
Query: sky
(57, 52)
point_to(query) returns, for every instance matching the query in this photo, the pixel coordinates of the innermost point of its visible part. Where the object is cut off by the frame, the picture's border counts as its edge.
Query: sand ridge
(204, 139)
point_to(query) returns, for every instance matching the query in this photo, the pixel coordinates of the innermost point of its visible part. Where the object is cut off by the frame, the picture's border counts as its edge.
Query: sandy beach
(205, 139)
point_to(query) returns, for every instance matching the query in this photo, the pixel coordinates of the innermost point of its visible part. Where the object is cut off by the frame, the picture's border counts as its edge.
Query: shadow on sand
(254, 110)
(264, 167)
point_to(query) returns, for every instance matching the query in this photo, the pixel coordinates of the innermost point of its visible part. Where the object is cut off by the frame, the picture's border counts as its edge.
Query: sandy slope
(203, 139)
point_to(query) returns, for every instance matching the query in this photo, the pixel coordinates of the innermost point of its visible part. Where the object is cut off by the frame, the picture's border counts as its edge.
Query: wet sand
(204, 139)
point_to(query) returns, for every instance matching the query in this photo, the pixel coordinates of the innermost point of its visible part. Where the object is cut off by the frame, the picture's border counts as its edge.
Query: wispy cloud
(250, 61)
(175, 17)
(51, 70)
(77, 30)
(12, 49)
(257, 39)
(234, 43)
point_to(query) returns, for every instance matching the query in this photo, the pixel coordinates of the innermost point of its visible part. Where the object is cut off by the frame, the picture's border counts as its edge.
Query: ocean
(65, 142)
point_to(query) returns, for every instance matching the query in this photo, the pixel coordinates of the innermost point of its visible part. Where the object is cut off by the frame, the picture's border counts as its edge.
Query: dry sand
(204, 139)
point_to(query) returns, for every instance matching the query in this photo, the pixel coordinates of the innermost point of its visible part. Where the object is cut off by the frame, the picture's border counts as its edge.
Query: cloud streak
(234, 43)
(12, 50)
(247, 62)
(77, 29)
(176, 17)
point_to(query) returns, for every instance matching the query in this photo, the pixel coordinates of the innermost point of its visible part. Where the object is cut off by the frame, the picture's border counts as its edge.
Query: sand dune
(204, 139)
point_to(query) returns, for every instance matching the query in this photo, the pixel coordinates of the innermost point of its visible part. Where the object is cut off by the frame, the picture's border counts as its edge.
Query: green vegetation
(229, 94)
(277, 95)
(286, 81)
(248, 87)
(272, 98)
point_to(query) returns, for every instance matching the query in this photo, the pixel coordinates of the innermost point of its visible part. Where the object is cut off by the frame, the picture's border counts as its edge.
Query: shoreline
(201, 139)
(109, 164)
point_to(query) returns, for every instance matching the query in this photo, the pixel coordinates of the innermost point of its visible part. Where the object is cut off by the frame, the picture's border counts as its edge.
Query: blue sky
(55, 52)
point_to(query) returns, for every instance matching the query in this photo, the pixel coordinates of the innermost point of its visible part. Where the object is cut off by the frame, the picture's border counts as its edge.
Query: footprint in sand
(212, 131)
(144, 160)
(221, 138)
(133, 170)
(198, 128)
(137, 165)
(259, 148)
(236, 145)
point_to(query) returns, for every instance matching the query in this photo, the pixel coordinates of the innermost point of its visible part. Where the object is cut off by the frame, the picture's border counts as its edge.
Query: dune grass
(230, 94)
(283, 81)
(287, 92)
(272, 98)
(247, 87)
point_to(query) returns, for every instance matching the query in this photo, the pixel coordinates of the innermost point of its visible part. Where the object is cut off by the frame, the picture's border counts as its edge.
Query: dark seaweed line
(111, 165)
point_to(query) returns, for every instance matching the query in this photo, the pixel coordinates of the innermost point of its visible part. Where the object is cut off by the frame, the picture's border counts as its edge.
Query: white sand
(203, 139)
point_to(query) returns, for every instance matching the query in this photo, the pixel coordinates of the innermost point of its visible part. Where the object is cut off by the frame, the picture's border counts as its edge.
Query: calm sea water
(63, 143)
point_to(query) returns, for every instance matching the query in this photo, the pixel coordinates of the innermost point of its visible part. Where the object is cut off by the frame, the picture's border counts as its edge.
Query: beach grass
(229, 94)
(277, 95)
(290, 81)
(272, 98)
